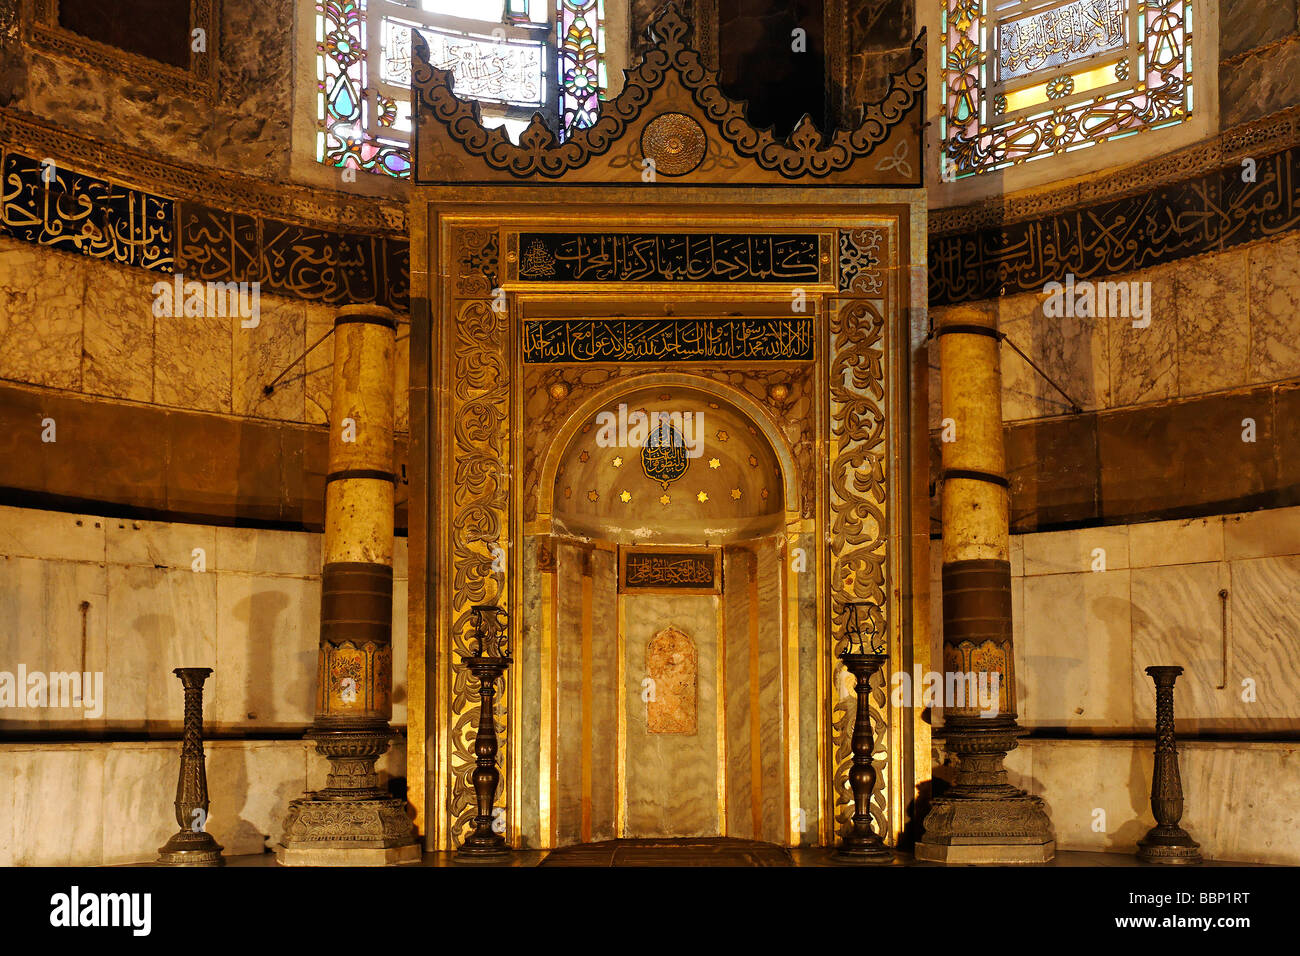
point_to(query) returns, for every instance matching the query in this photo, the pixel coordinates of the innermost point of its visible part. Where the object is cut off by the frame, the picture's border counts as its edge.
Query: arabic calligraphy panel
(766, 258)
(672, 570)
(668, 340)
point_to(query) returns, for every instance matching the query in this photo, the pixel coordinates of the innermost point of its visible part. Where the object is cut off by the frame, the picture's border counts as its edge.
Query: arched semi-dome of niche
(730, 490)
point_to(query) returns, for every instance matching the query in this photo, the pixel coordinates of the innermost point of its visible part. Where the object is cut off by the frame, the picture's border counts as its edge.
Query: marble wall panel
(117, 352)
(1075, 648)
(319, 364)
(1069, 552)
(41, 298)
(265, 351)
(567, 799)
(1211, 310)
(604, 693)
(9, 763)
(252, 783)
(1074, 352)
(1154, 544)
(137, 798)
(193, 362)
(258, 551)
(1261, 534)
(1176, 620)
(672, 779)
(161, 544)
(1097, 792)
(1143, 359)
(58, 815)
(770, 670)
(157, 620)
(267, 633)
(1240, 799)
(1247, 25)
(1274, 297)
(90, 804)
(1263, 644)
(51, 535)
(54, 615)
(740, 795)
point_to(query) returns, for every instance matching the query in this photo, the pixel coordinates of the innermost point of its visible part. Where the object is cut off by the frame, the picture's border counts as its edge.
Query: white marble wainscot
(91, 804)
(1241, 799)
(134, 599)
(1094, 607)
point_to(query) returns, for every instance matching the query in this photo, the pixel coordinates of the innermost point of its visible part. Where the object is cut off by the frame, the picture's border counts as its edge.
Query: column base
(367, 832)
(1006, 830)
(1169, 845)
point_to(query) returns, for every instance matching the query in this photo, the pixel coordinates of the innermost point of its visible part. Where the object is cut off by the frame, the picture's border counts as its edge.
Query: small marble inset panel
(671, 663)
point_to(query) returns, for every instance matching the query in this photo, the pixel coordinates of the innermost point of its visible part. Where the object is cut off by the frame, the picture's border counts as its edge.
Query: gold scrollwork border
(478, 473)
(858, 531)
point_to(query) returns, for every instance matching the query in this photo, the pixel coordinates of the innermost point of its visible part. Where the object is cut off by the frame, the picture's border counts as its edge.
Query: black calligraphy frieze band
(1208, 213)
(79, 213)
(214, 245)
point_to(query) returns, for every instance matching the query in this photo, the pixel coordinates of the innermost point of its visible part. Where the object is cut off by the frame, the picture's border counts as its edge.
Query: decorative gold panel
(479, 479)
(857, 451)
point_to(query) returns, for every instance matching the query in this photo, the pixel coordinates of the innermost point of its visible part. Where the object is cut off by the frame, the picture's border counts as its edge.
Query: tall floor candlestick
(861, 844)
(192, 845)
(1166, 842)
(488, 664)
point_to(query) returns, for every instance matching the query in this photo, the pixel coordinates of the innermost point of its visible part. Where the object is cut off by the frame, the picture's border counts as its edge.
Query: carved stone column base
(189, 848)
(975, 830)
(347, 833)
(1169, 844)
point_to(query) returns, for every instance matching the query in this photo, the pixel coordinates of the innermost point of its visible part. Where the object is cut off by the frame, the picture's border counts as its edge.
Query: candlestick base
(1169, 845)
(483, 848)
(866, 849)
(191, 848)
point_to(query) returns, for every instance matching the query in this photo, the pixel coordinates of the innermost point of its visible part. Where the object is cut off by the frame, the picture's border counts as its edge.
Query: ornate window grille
(1028, 79)
(515, 57)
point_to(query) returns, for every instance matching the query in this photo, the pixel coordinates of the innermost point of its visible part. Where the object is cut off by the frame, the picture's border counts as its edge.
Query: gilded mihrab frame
(853, 466)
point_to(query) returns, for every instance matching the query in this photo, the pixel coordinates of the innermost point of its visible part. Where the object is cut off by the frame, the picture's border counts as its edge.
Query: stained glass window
(581, 33)
(514, 57)
(1028, 79)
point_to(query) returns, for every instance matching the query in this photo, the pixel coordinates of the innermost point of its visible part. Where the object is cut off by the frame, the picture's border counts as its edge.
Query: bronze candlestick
(488, 663)
(861, 844)
(192, 845)
(1166, 842)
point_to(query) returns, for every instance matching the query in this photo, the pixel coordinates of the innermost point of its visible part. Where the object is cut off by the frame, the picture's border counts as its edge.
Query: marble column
(353, 821)
(981, 818)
